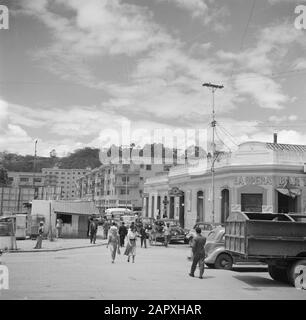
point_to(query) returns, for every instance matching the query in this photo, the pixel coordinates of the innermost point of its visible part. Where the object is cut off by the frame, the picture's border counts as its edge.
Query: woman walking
(130, 250)
(40, 235)
(113, 241)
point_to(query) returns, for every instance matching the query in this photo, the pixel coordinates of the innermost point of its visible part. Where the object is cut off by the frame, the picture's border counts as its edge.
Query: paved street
(159, 273)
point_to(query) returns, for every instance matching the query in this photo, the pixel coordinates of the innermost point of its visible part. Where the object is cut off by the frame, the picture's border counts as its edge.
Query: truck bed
(260, 235)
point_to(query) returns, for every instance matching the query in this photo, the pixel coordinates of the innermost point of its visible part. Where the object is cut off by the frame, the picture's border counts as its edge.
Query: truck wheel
(277, 273)
(294, 270)
(224, 261)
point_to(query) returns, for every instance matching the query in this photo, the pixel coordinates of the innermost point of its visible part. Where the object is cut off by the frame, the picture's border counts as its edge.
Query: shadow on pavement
(250, 269)
(256, 282)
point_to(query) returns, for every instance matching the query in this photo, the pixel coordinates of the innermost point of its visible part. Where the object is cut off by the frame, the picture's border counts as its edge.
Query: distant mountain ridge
(79, 159)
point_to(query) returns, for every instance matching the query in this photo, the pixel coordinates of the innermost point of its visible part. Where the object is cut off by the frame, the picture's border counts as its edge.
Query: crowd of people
(116, 239)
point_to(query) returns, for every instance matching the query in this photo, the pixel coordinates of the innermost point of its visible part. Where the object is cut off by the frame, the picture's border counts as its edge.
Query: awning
(290, 192)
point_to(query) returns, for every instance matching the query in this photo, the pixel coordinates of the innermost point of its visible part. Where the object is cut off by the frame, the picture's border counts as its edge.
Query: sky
(73, 72)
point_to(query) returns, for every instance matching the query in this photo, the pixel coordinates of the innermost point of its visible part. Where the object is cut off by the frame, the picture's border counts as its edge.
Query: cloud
(271, 47)
(99, 27)
(265, 92)
(3, 115)
(195, 7)
(254, 66)
(279, 119)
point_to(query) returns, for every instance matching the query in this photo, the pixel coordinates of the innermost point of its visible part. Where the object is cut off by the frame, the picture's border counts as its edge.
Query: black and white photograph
(153, 150)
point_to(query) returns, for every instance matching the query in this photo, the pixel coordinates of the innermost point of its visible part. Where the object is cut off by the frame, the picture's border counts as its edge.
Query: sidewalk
(56, 245)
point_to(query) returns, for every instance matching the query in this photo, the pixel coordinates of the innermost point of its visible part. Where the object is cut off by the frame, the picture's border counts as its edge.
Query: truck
(276, 239)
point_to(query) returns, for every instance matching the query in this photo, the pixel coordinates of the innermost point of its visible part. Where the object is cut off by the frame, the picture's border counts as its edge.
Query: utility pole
(213, 88)
(34, 162)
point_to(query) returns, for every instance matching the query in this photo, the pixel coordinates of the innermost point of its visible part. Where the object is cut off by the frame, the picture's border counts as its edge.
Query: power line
(272, 75)
(222, 140)
(246, 29)
(231, 137)
(247, 25)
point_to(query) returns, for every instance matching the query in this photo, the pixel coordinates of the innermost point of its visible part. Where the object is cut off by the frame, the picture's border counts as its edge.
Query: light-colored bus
(116, 213)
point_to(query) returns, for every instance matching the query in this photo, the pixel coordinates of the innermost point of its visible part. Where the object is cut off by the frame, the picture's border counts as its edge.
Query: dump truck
(276, 239)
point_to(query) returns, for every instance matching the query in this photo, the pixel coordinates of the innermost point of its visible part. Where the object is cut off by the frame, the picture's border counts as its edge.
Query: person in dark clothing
(40, 235)
(93, 228)
(198, 253)
(122, 234)
(143, 236)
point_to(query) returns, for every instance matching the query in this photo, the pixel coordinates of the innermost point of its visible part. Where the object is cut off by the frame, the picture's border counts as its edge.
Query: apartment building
(22, 189)
(65, 179)
(26, 179)
(118, 185)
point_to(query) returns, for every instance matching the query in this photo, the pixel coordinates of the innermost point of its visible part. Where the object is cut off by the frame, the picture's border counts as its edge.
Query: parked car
(216, 255)
(147, 221)
(205, 227)
(177, 233)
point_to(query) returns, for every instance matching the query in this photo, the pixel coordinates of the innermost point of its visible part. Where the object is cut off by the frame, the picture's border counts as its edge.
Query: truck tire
(224, 261)
(277, 273)
(294, 270)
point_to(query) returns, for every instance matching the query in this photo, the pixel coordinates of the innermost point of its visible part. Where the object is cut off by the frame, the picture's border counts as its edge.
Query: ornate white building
(261, 177)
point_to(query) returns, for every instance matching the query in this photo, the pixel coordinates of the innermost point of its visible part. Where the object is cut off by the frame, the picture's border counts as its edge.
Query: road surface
(158, 273)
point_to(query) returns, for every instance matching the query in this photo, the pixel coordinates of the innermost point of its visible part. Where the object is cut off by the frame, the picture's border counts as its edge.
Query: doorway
(171, 214)
(224, 205)
(200, 206)
(286, 204)
(182, 211)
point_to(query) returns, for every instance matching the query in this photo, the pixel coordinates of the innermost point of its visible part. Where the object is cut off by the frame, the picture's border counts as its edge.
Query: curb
(55, 250)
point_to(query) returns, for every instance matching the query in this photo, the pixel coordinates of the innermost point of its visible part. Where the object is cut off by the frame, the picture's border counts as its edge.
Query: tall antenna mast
(213, 88)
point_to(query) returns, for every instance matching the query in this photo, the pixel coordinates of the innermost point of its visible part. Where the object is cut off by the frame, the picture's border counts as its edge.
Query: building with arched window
(258, 177)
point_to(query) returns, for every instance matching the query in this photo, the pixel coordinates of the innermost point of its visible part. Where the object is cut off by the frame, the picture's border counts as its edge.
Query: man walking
(93, 231)
(143, 236)
(198, 253)
(167, 235)
(122, 234)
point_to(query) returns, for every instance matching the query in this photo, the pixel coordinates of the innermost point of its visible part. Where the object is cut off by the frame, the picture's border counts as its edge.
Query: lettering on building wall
(292, 181)
(263, 180)
(253, 180)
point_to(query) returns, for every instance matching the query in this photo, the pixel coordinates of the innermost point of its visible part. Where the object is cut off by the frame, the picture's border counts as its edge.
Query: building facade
(117, 185)
(23, 188)
(258, 177)
(64, 179)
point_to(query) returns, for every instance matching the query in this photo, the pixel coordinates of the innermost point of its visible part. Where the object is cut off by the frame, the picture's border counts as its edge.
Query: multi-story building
(257, 177)
(118, 185)
(64, 179)
(26, 179)
(22, 189)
